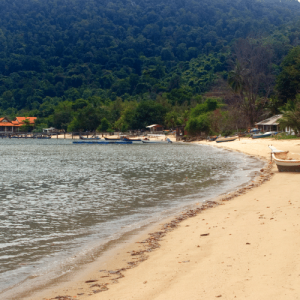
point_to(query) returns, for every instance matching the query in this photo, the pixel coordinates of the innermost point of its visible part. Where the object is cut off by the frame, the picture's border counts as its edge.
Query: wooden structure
(155, 127)
(270, 124)
(180, 132)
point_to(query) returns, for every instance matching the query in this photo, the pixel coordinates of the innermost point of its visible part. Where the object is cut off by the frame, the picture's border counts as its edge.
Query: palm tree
(236, 79)
(291, 118)
(171, 119)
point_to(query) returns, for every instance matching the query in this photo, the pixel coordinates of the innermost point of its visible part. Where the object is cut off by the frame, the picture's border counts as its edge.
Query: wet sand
(245, 247)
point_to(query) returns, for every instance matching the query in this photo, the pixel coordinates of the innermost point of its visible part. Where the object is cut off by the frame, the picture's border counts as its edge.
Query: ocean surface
(59, 200)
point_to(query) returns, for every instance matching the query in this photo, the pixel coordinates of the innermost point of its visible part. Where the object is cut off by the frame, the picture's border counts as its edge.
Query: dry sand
(245, 248)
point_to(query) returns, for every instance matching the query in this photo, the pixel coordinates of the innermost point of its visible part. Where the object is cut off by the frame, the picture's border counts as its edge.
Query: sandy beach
(245, 247)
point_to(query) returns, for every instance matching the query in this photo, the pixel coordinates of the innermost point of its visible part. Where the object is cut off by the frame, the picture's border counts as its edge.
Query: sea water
(58, 199)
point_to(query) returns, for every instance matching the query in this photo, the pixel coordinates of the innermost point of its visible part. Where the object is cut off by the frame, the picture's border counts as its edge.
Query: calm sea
(57, 199)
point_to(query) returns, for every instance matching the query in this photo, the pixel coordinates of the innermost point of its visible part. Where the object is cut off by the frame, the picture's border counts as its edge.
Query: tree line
(74, 64)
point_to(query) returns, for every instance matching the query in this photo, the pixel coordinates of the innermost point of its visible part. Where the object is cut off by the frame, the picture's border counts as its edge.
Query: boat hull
(135, 141)
(112, 139)
(168, 141)
(258, 136)
(222, 140)
(288, 168)
(285, 165)
(262, 135)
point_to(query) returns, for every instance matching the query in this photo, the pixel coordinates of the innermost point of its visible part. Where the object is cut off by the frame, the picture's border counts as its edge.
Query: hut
(270, 124)
(50, 130)
(155, 128)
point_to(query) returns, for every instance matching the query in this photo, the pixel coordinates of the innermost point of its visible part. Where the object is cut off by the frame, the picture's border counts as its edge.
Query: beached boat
(226, 139)
(284, 161)
(262, 135)
(167, 141)
(112, 139)
(212, 138)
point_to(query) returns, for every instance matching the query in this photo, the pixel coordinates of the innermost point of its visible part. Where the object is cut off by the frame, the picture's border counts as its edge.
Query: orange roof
(22, 119)
(19, 121)
(6, 124)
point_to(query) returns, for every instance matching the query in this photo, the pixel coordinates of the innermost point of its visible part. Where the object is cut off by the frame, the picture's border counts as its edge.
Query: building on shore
(270, 124)
(51, 130)
(155, 128)
(7, 125)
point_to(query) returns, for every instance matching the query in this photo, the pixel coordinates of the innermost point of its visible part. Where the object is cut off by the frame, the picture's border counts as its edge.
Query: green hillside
(74, 63)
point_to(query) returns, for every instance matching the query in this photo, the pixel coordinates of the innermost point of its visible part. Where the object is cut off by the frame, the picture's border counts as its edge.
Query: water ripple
(55, 195)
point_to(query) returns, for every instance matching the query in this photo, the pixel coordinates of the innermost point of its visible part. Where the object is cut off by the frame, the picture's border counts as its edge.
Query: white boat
(284, 162)
(167, 141)
(226, 139)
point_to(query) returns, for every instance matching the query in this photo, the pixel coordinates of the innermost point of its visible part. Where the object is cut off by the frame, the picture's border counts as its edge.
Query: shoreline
(95, 287)
(133, 236)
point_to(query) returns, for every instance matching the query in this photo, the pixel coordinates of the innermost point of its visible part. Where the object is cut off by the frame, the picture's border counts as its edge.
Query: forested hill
(58, 50)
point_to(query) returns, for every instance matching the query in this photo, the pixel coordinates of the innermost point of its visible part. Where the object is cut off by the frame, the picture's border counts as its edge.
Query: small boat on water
(226, 139)
(284, 161)
(167, 141)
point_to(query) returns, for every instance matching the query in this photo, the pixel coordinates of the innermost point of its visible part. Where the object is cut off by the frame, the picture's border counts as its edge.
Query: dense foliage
(288, 81)
(82, 65)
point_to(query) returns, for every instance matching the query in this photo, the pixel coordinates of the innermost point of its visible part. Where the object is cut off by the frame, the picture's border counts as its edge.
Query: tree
(251, 78)
(288, 81)
(104, 126)
(26, 126)
(7, 100)
(63, 115)
(61, 119)
(147, 113)
(199, 124)
(291, 117)
(200, 120)
(171, 119)
(210, 104)
(87, 118)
